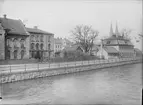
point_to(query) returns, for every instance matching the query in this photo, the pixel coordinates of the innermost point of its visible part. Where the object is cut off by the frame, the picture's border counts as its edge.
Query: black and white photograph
(71, 52)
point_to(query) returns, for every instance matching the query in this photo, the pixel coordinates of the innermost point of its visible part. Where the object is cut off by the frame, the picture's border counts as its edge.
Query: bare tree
(126, 33)
(85, 36)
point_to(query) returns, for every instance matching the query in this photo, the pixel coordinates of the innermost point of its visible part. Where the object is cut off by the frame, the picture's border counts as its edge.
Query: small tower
(111, 30)
(116, 30)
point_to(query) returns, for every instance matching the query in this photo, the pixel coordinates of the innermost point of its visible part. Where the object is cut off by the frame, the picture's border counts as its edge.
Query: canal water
(117, 85)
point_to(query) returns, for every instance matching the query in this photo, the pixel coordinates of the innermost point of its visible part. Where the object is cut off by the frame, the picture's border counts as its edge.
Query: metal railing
(47, 66)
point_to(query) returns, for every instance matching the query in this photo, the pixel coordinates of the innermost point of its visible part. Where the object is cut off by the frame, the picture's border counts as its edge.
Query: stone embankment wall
(12, 77)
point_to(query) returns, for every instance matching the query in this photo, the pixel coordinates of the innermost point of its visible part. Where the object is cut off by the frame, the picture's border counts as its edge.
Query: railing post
(59, 65)
(25, 67)
(49, 64)
(38, 67)
(10, 68)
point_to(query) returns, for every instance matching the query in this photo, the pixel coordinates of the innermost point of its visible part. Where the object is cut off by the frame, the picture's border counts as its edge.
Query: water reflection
(117, 85)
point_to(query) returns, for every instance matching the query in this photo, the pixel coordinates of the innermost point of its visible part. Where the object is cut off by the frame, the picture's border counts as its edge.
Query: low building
(72, 49)
(138, 53)
(41, 42)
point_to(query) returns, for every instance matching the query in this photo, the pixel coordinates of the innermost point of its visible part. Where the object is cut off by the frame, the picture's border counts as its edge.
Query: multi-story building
(19, 42)
(40, 42)
(14, 39)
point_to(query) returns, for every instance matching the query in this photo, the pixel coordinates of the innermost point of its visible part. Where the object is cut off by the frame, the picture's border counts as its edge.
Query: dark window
(8, 54)
(22, 54)
(32, 46)
(37, 46)
(49, 45)
(15, 54)
(41, 46)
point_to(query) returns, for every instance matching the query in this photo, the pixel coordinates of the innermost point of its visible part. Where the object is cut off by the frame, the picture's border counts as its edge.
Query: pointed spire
(116, 31)
(111, 30)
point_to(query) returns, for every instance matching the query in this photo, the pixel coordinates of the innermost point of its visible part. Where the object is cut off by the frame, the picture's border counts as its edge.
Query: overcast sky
(61, 16)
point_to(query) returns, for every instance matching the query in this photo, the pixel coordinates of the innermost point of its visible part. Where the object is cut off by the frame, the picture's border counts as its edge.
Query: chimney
(4, 16)
(36, 27)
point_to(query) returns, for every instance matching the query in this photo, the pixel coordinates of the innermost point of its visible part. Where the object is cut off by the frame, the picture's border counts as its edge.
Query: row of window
(37, 38)
(58, 46)
(15, 54)
(15, 42)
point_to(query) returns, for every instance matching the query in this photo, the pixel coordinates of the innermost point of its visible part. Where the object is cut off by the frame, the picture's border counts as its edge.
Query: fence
(47, 66)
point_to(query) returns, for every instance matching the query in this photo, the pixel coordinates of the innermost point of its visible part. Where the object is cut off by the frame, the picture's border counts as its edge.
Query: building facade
(14, 39)
(19, 42)
(41, 43)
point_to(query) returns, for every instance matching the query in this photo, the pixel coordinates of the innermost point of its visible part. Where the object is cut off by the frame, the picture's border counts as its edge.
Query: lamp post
(101, 47)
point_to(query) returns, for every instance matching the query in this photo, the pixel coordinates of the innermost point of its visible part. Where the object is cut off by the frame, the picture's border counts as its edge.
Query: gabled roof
(73, 48)
(110, 49)
(13, 26)
(38, 31)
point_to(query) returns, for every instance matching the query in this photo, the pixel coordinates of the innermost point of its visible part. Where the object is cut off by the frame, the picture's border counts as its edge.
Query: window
(8, 54)
(8, 42)
(49, 45)
(37, 38)
(32, 46)
(41, 46)
(15, 54)
(22, 54)
(41, 38)
(22, 43)
(49, 38)
(32, 38)
(37, 46)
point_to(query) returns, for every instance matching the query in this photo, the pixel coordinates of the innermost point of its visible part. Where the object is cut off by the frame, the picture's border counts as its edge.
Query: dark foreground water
(118, 85)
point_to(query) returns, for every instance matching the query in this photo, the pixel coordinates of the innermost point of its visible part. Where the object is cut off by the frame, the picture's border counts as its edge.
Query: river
(116, 85)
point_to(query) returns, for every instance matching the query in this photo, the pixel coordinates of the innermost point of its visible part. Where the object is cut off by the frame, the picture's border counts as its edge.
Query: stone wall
(12, 77)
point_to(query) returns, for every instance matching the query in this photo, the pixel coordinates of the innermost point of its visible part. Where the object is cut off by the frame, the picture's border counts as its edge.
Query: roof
(35, 30)
(117, 40)
(137, 50)
(110, 49)
(14, 26)
(72, 48)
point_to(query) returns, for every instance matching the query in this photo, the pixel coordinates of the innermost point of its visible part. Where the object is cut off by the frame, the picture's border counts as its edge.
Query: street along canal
(115, 85)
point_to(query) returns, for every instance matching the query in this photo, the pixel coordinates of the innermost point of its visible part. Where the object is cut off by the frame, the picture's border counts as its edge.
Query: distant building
(138, 53)
(116, 46)
(71, 49)
(19, 42)
(41, 42)
(60, 44)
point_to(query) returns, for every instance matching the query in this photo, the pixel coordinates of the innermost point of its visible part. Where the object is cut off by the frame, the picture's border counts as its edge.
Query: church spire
(111, 30)
(116, 31)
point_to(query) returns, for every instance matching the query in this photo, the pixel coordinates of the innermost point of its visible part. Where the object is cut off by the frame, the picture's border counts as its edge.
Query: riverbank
(43, 70)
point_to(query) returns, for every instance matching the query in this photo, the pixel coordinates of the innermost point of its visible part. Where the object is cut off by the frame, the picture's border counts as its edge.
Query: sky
(61, 16)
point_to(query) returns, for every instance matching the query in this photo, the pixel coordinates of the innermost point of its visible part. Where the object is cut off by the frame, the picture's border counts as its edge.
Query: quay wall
(18, 76)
